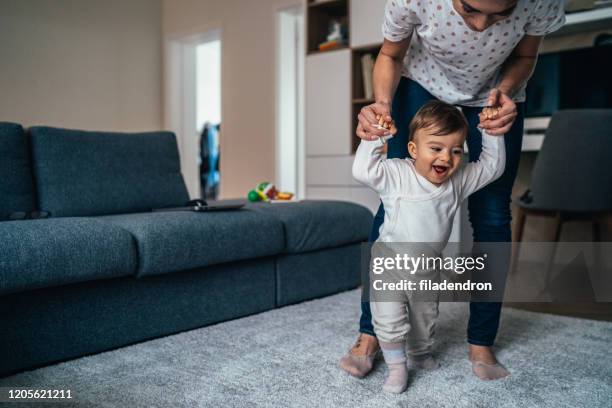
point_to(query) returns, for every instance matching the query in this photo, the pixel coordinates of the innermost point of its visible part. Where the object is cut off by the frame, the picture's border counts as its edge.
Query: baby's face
(436, 157)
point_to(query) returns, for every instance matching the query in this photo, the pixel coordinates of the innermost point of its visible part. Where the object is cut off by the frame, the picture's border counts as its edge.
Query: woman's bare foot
(484, 364)
(359, 360)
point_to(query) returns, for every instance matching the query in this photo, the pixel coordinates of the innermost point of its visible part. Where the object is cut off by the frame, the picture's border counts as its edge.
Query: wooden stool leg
(596, 230)
(551, 260)
(520, 224)
(597, 225)
(521, 217)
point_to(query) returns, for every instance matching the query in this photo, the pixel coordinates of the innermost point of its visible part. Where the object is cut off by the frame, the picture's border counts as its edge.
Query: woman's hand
(367, 128)
(502, 119)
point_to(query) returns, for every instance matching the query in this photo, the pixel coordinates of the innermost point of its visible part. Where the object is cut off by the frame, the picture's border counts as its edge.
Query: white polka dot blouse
(455, 63)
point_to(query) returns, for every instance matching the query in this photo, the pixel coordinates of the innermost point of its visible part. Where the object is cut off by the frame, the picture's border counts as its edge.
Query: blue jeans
(489, 208)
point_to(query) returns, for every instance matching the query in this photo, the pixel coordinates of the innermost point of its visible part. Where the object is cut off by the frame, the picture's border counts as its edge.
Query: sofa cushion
(311, 225)
(16, 183)
(177, 241)
(92, 173)
(51, 252)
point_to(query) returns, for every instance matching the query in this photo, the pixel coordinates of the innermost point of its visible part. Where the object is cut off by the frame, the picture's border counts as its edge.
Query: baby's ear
(412, 149)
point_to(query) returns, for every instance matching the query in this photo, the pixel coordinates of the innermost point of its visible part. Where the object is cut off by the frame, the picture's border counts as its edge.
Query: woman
(471, 53)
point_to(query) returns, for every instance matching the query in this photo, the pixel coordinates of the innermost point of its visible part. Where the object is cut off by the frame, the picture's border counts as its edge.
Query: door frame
(300, 146)
(180, 96)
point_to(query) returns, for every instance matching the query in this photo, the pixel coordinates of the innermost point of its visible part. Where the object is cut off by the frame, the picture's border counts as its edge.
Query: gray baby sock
(395, 357)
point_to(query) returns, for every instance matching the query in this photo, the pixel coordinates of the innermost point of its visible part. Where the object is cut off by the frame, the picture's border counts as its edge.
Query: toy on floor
(267, 192)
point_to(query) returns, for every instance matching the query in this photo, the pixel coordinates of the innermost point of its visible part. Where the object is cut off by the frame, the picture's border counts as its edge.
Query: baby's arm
(489, 166)
(371, 169)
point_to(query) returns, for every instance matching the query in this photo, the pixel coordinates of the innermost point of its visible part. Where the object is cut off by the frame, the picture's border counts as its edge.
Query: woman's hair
(441, 117)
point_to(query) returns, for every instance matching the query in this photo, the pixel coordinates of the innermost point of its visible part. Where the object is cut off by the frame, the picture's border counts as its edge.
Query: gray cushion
(176, 241)
(52, 252)
(311, 225)
(94, 173)
(16, 183)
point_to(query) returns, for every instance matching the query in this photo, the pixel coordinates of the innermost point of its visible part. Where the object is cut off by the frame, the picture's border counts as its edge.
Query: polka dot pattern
(453, 62)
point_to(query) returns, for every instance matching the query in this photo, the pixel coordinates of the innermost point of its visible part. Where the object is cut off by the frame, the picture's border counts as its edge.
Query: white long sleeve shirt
(417, 210)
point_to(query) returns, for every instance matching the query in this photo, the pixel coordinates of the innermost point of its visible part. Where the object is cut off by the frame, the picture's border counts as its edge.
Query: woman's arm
(520, 64)
(386, 76)
(516, 70)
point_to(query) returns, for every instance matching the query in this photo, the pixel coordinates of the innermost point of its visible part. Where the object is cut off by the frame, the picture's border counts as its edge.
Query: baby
(421, 196)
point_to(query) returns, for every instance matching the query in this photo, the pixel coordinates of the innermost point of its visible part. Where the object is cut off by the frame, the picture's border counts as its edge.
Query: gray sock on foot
(397, 379)
(395, 357)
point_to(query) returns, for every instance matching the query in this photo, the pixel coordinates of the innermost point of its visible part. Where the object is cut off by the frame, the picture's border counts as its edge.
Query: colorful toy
(266, 192)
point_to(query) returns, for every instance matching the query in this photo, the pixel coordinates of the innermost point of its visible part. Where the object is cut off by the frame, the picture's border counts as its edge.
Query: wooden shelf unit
(326, 4)
(334, 95)
(342, 47)
(359, 101)
(358, 92)
(358, 98)
(319, 15)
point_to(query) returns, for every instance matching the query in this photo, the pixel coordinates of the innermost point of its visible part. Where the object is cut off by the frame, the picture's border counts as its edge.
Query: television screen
(574, 79)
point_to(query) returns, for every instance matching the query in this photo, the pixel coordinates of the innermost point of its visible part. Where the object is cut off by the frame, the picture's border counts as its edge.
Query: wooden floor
(595, 311)
(528, 272)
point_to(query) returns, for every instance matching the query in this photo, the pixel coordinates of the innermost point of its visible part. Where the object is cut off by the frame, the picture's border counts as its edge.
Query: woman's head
(481, 14)
(437, 133)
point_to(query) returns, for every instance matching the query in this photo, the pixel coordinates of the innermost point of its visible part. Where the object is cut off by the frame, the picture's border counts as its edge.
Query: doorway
(193, 107)
(290, 54)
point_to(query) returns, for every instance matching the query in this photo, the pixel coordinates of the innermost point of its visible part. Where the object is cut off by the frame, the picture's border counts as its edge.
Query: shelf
(363, 101)
(319, 16)
(368, 48)
(342, 47)
(328, 5)
(358, 94)
(531, 143)
(589, 20)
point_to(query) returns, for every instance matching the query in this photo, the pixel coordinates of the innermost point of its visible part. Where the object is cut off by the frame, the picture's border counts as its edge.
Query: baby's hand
(385, 126)
(367, 126)
(382, 124)
(489, 113)
(499, 114)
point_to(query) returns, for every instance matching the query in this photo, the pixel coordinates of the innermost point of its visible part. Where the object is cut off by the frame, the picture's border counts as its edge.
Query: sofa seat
(58, 251)
(312, 225)
(177, 241)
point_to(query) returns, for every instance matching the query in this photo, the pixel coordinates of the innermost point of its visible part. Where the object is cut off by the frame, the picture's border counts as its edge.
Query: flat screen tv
(573, 79)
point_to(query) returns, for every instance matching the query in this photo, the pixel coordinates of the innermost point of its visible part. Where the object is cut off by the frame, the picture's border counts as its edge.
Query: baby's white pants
(411, 321)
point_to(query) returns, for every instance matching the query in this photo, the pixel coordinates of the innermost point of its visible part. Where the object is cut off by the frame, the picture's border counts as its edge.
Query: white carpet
(288, 357)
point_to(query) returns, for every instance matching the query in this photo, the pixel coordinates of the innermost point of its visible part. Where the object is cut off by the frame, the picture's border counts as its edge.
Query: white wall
(247, 81)
(88, 64)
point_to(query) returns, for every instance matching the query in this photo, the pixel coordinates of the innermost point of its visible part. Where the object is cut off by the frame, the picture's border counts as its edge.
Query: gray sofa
(104, 271)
